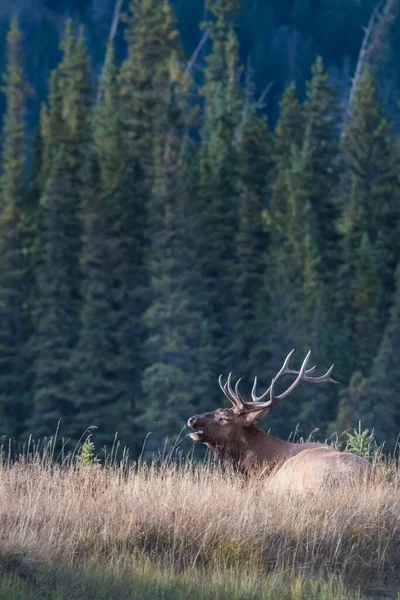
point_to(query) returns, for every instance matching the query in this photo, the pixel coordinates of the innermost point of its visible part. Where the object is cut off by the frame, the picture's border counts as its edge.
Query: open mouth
(197, 436)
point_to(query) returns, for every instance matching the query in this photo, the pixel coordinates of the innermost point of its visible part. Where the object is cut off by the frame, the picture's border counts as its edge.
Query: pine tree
(66, 129)
(144, 105)
(250, 313)
(309, 231)
(32, 209)
(206, 353)
(372, 210)
(314, 334)
(289, 248)
(290, 126)
(218, 172)
(66, 123)
(175, 375)
(151, 38)
(55, 314)
(14, 276)
(373, 187)
(130, 289)
(380, 407)
(287, 140)
(107, 130)
(321, 143)
(294, 284)
(367, 302)
(221, 70)
(351, 399)
(174, 379)
(95, 388)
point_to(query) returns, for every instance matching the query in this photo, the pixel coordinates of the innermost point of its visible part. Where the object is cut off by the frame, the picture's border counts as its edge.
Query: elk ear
(253, 417)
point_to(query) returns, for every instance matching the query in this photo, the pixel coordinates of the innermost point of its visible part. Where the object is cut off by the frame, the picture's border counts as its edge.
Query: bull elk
(232, 435)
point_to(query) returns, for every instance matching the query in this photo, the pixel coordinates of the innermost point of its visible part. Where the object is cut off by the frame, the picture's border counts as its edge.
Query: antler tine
(283, 372)
(220, 383)
(296, 383)
(286, 361)
(238, 394)
(228, 384)
(233, 396)
(280, 373)
(225, 390)
(301, 378)
(253, 389)
(256, 398)
(323, 378)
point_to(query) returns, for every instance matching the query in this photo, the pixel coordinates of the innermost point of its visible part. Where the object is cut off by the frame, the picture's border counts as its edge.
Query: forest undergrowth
(176, 529)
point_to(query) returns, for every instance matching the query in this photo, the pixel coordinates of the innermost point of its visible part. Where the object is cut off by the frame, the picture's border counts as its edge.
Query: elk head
(232, 430)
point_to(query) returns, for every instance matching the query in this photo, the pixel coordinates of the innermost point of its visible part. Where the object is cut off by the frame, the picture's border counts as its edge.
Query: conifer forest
(191, 189)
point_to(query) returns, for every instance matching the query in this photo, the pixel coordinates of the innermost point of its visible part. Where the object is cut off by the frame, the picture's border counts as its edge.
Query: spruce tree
(250, 313)
(66, 128)
(129, 289)
(66, 122)
(351, 398)
(294, 287)
(218, 194)
(14, 276)
(372, 209)
(321, 142)
(373, 187)
(144, 105)
(151, 38)
(367, 302)
(107, 130)
(289, 246)
(290, 126)
(287, 139)
(55, 313)
(174, 378)
(312, 219)
(95, 388)
(380, 405)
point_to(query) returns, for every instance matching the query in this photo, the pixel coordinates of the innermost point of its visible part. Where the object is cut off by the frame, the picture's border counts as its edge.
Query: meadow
(175, 529)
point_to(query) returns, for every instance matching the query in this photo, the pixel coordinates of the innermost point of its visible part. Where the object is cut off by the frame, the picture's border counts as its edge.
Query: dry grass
(207, 529)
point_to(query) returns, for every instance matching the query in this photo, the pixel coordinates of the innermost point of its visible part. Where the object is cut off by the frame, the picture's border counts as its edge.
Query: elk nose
(192, 421)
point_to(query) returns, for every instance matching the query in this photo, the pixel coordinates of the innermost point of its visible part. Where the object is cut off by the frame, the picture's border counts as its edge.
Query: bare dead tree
(261, 101)
(196, 52)
(380, 39)
(111, 36)
(373, 47)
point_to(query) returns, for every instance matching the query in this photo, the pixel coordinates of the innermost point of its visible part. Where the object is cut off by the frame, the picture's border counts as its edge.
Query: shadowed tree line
(164, 233)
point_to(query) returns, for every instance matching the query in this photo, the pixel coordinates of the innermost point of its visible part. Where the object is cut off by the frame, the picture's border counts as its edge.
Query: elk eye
(223, 420)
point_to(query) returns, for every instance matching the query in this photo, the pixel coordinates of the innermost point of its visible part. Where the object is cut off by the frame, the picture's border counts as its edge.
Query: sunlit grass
(142, 580)
(74, 530)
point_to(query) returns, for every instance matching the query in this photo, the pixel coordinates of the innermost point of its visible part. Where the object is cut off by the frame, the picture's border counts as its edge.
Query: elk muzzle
(196, 423)
(192, 422)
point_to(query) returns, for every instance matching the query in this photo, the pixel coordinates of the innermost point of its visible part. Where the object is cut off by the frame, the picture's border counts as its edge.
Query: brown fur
(232, 434)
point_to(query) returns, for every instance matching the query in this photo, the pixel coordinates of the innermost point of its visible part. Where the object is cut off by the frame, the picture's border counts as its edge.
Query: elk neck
(254, 449)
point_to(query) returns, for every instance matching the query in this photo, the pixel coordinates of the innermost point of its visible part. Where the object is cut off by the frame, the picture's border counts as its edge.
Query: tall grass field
(174, 530)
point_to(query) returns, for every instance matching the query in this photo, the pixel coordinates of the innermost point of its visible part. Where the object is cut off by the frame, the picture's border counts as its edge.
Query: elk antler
(283, 372)
(257, 404)
(234, 396)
